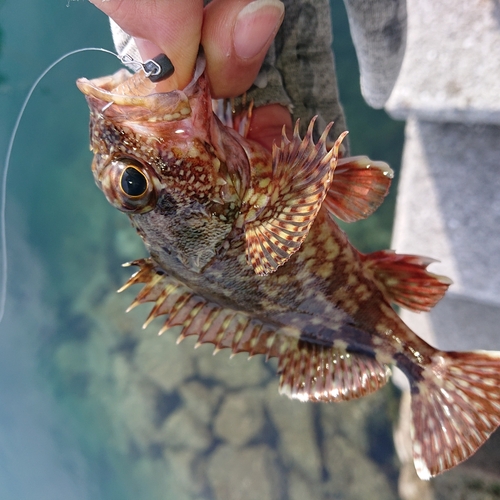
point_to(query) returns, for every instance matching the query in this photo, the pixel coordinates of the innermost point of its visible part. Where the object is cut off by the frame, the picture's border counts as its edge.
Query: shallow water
(92, 406)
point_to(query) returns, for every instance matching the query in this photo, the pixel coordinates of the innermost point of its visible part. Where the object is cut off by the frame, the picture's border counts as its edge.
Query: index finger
(172, 27)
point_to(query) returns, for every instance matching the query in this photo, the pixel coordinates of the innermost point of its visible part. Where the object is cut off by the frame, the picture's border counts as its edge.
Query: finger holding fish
(235, 37)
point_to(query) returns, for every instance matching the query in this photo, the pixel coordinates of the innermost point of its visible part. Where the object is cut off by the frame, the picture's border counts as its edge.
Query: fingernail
(255, 27)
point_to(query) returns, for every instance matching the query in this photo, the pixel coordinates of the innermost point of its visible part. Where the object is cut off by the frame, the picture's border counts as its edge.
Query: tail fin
(455, 408)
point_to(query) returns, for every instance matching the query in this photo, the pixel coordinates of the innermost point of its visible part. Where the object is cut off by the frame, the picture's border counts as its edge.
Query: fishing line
(3, 185)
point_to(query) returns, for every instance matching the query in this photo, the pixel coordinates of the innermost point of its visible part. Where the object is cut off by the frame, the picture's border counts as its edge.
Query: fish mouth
(127, 89)
(133, 97)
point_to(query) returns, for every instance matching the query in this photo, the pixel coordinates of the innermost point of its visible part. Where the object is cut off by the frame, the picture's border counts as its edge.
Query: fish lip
(102, 87)
(164, 106)
(92, 89)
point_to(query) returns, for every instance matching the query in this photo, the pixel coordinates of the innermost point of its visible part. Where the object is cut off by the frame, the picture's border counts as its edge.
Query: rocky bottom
(169, 421)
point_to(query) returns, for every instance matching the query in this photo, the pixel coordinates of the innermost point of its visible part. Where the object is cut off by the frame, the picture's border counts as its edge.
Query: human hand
(235, 36)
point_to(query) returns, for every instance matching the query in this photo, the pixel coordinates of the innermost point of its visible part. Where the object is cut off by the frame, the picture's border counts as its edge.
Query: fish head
(166, 161)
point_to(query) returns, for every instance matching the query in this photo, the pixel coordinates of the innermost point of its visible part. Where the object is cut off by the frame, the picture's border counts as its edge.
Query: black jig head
(159, 68)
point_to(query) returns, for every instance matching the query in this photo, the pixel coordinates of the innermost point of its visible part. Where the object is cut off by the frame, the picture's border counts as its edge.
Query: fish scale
(245, 254)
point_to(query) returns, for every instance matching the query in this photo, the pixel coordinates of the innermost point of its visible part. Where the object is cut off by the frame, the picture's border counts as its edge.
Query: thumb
(236, 36)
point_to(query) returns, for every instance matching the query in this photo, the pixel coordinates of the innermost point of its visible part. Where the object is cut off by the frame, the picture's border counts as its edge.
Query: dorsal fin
(290, 200)
(312, 372)
(358, 188)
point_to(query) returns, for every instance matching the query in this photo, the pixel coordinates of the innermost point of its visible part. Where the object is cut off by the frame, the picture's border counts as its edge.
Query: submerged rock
(183, 430)
(297, 433)
(245, 474)
(299, 488)
(240, 418)
(353, 474)
(237, 372)
(163, 362)
(200, 400)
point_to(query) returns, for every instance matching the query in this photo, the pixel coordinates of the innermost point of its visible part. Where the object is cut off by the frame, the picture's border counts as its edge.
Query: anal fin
(312, 372)
(404, 280)
(358, 188)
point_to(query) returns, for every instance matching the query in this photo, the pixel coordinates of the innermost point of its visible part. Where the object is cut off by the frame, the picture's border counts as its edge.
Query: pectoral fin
(301, 175)
(358, 188)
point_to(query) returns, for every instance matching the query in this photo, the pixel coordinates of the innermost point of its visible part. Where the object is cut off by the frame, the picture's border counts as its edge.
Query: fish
(245, 253)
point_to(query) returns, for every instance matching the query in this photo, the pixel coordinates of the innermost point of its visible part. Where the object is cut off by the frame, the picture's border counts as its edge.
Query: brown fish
(244, 254)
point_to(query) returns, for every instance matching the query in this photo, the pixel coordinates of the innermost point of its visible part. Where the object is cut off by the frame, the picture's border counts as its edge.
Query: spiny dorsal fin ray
(312, 372)
(454, 409)
(404, 280)
(302, 173)
(358, 188)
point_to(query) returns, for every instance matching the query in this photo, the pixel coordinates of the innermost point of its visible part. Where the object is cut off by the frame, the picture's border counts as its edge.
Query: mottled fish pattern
(245, 254)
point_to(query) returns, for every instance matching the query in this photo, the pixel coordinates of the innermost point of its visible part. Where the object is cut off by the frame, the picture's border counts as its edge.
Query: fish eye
(133, 182)
(130, 185)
